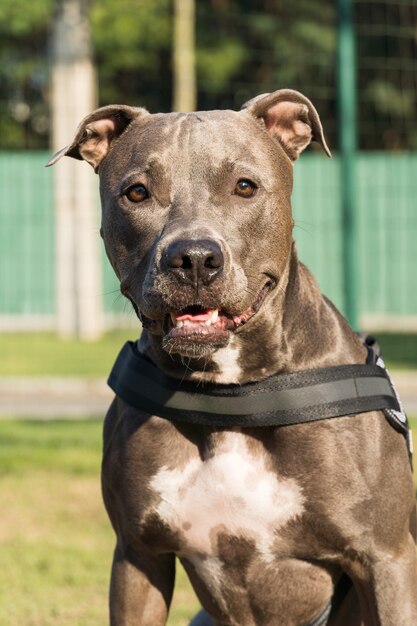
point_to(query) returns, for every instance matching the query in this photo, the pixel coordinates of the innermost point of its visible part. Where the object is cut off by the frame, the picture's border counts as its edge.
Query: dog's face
(187, 201)
(196, 211)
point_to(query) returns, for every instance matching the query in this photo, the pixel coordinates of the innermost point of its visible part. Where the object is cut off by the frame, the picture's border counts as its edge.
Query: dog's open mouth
(196, 325)
(197, 319)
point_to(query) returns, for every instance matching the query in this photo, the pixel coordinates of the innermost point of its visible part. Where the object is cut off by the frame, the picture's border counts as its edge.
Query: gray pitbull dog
(197, 225)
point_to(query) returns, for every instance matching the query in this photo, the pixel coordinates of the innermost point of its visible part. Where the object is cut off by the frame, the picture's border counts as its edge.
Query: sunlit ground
(55, 540)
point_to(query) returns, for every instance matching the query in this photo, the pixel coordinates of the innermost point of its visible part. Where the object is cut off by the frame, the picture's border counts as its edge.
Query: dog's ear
(96, 133)
(291, 118)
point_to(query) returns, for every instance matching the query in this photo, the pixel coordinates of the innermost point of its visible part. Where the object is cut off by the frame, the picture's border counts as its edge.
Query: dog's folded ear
(96, 133)
(291, 118)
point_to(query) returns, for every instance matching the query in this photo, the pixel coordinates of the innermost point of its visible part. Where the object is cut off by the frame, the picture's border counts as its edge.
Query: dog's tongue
(200, 315)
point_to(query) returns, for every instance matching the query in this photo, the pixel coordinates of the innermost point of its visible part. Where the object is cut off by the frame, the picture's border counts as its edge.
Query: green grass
(399, 350)
(55, 539)
(56, 542)
(43, 354)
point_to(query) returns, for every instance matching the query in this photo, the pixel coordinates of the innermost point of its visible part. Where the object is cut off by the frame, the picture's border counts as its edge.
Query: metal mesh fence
(243, 48)
(262, 46)
(387, 74)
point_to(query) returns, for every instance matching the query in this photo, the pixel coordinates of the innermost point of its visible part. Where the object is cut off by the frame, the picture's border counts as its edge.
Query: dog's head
(196, 210)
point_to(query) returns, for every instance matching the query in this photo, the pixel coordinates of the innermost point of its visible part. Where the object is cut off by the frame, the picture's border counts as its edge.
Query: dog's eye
(137, 193)
(245, 188)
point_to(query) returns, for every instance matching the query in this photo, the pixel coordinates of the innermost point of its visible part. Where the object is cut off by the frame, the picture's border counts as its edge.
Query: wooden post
(185, 91)
(77, 254)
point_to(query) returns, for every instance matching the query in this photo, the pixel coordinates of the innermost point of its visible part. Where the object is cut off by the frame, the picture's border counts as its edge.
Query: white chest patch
(227, 360)
(232, 492)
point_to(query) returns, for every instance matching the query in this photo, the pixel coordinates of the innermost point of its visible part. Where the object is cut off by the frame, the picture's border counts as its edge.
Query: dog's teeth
(212, 319)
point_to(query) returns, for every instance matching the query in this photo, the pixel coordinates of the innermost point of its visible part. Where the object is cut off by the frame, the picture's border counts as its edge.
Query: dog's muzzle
(194, 262)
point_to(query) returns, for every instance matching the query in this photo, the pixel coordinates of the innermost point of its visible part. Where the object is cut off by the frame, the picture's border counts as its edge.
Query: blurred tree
(132, 41)
(387, 78)
(244, 47)
(24, 119)
(247, 47)
(132, 46)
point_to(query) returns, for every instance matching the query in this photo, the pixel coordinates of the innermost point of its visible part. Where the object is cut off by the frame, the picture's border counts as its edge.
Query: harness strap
(396, 417)
(280, 400)
(322, 619)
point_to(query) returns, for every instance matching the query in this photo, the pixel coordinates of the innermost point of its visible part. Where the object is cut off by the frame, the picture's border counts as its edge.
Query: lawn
(43, 354)
(398, 349)
(55, 540)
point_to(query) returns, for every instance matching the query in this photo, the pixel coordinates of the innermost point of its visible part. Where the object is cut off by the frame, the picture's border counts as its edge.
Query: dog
(304, 524)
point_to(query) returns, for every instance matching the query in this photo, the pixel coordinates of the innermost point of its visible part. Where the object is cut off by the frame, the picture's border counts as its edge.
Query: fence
(243, 48)
(386, 239)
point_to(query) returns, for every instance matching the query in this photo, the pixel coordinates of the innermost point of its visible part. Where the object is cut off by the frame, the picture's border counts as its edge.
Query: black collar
(280, 400)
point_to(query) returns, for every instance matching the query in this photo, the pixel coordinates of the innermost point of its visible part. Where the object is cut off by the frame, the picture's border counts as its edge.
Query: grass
(55, 539)
(398, 349)
(43, 354)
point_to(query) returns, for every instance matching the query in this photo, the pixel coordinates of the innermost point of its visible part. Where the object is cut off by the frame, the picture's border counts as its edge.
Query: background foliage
(244, 47)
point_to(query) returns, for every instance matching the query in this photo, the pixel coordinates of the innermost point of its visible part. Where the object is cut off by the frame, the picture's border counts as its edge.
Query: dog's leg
(141, 589)
(387, 587)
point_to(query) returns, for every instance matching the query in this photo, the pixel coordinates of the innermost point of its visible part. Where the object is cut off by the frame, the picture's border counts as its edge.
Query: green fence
(386, 206)
(26, 236)
(386, 238)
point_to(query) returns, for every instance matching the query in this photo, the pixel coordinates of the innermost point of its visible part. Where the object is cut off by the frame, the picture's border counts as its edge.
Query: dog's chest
(231, 492)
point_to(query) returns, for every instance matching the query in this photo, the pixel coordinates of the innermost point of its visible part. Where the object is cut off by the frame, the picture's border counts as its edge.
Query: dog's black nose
(195, 261)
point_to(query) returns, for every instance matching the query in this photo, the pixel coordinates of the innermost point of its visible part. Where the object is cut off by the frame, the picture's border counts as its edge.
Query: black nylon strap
(280, 400)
